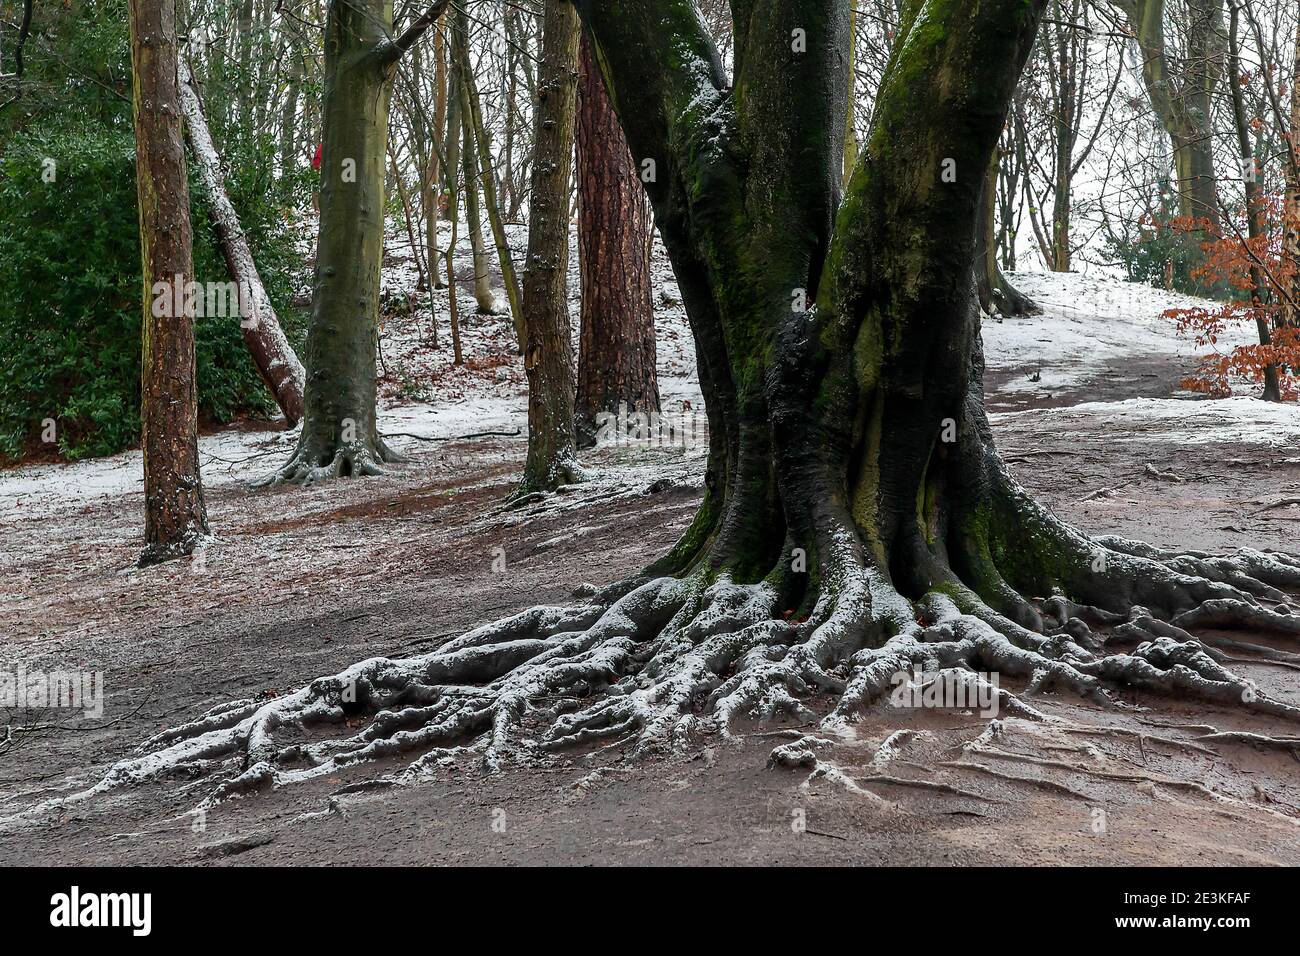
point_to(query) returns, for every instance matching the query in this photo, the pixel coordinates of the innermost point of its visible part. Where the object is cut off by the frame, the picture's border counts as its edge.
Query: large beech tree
(339, 432)
(857, 519)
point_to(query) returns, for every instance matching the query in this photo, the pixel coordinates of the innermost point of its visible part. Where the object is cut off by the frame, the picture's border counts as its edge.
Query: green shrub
(71, 289)
(1160, 253)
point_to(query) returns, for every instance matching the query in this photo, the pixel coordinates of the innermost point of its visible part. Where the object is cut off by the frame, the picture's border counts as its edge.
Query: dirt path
(302, 582)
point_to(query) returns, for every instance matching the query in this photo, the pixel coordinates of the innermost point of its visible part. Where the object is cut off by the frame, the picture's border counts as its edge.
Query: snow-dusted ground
(1087, 323)
(1089, 328)
(1230, 420)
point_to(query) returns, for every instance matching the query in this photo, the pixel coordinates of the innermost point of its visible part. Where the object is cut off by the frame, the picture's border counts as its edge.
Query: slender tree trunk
(432, 194)
(548, 355)
(452, 141)
(485, 301)
(616, 352)
(1291, 206)
(175, 515)
(995, 291)
(1255, 226)
(488, 179)
(850, 113)
(274, 358)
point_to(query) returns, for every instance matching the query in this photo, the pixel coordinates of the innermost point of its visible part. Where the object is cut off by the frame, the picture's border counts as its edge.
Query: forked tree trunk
(175, 516)
(853, 431)
(274, 358)
(339, 434)
(616, 349)
(548, 354)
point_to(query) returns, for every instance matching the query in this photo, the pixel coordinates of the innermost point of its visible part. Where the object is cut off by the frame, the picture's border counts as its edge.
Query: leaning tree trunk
(175, 517)
(548, 353)
(274, 358)
(339, 434)
(857, 522)
(484, 300)
(616, 349)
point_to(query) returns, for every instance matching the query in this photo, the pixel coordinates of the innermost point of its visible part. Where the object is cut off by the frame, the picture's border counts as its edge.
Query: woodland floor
(301, 582)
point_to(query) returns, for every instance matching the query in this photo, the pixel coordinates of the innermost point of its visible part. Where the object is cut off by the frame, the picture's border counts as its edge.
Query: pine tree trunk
(274, 358)
(175, 514)
(548, 355)
(616, 353)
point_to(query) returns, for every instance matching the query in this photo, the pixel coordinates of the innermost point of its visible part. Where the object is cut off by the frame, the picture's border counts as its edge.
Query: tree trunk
(339, 435)
(994, 290)
(851, 145)
(616, 351)
(857, 521)
(1255, 225)
(1184, 103)
(175, 516)
(1291, 206)
(452, 141)
(484, 300)
(431, 195)
(275, 359)
(488, 180)
(548, 354)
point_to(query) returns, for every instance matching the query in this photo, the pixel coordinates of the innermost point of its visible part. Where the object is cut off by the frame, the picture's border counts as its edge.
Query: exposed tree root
(310, 464)
(661, 663)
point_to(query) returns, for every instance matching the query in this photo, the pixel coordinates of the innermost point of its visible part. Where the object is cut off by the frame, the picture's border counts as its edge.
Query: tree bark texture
(175, 514)
(616, 350)
(548, 354)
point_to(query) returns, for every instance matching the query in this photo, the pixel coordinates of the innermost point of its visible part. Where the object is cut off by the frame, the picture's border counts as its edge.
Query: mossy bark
(339, 434)
(838, 333)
